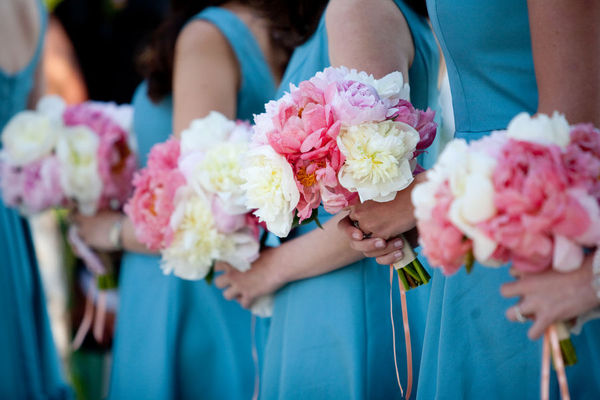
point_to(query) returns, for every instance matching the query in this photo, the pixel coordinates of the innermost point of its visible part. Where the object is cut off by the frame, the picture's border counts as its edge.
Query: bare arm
(206, 75)
(565, 39)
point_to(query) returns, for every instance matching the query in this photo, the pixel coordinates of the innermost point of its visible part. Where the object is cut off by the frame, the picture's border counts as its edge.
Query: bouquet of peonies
(337, 138)
(77, 156)
(80, 157)
(529, 195)
(189, 202)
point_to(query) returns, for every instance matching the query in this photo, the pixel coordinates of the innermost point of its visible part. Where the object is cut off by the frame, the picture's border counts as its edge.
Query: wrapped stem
(410, 270)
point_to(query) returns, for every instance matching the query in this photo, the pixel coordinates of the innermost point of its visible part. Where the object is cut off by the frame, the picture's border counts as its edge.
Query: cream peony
(271, 189)
(540, 129)
(377, 159)
(29, 136)
(206, 132)
(220, 172)
(77, 152)
(196, 243)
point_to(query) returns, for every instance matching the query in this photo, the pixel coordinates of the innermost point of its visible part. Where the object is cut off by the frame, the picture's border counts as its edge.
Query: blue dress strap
(256, 77)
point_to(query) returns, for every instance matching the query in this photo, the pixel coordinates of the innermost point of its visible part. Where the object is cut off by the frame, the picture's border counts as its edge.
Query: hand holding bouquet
(189, 202)
(340, 137)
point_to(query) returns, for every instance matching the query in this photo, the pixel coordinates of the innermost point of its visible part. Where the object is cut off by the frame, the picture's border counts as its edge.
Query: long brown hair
(290, 24)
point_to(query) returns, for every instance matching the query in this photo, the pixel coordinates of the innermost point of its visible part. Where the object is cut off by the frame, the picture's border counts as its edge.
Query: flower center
(309, 179)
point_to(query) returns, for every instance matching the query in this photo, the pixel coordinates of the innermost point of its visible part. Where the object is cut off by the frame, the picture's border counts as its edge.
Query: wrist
(115, 234)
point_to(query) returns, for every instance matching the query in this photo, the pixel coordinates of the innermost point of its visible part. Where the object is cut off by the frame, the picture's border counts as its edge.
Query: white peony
(77, 152)
(53, 107)
(391, 87)
(240, 250)
(271, 189)
(378, 159)
(29, 136)
(540, 129)
(196, 243)
(206, 132)
(469, 174)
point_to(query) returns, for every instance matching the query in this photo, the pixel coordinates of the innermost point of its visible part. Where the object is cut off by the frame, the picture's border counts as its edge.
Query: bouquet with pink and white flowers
(529, 195)
(338, 138)
(189, 202)
(78, 156)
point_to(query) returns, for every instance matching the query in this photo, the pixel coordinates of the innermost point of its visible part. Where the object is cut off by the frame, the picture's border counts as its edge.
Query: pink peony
(354, 103)
(422, 121)
(530, 183)
(34, 187)
(582, 158)
(153, 200)
(116, 159)
(443, 244)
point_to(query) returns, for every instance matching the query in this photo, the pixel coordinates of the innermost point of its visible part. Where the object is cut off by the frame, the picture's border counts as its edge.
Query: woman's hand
(389, 219)
(384, 252)
(95, 229)
(246, 287)
(552, 296)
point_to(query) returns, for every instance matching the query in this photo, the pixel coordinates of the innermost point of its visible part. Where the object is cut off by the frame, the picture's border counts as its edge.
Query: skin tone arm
(206, 78)
(329, 248)
(565, 38)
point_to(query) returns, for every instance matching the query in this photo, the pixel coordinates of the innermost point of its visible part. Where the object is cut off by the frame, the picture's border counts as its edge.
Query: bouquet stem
(566, 345)
(410, 270)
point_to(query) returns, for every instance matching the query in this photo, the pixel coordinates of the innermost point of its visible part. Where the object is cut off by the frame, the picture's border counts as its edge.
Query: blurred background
(89, 54)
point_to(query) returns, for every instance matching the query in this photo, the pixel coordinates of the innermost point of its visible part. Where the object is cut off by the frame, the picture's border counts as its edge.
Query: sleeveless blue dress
(177, 338)
(330, 336)
(29, 365)
(471, 351)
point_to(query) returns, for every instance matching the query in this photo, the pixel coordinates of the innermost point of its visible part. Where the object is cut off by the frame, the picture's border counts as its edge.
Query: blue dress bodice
(471, 351)
(178, 338)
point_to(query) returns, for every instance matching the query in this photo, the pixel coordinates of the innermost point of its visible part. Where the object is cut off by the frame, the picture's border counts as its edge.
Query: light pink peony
(34, 187)
(354, 103)
(443, 244)
(153, 200)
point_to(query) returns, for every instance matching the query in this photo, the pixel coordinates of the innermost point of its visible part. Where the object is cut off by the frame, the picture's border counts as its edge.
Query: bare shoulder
(201, 35)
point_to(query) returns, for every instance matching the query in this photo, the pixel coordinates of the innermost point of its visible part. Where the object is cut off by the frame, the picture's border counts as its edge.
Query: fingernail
(398, 255)
(380, 244)
(356, 236)
(398, 244)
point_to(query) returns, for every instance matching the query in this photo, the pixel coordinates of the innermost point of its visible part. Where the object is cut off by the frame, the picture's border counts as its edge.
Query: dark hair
(290, 24)
(418, 6)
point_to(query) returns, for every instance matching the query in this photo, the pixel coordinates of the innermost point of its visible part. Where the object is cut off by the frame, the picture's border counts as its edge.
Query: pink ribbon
(551, 341)
(96, 267)
(406, 326)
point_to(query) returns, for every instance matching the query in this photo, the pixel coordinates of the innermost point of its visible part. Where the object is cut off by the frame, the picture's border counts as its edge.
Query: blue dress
(330, 336)
(29, 366)
(471, 351)
(178, 338)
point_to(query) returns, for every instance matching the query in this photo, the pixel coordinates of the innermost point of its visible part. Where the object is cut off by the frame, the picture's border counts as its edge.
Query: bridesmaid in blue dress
(176, 338)
(330, 334)
(498, 66)
(29, 366)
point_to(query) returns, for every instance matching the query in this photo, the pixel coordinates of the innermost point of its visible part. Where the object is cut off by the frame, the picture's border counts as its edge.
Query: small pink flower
(583, 158)
(422, 121)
